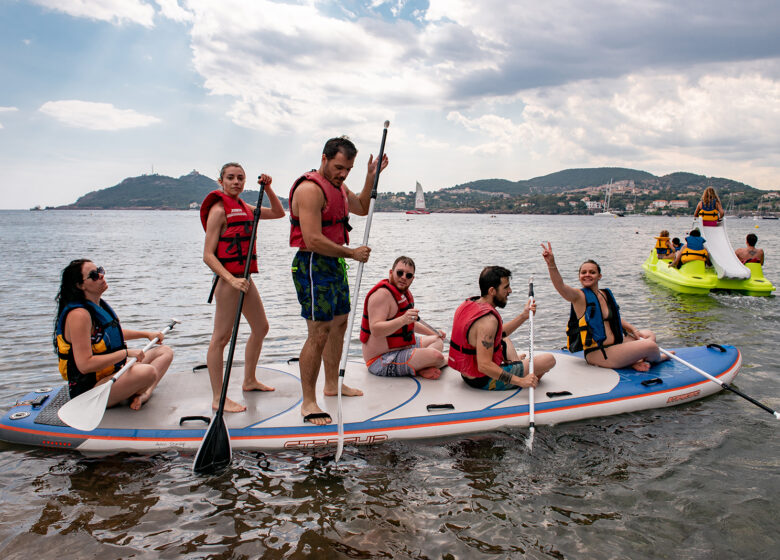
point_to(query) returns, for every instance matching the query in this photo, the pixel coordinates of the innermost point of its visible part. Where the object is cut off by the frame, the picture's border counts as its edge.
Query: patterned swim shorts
(489, 384)
(321, 285)
(395, 363)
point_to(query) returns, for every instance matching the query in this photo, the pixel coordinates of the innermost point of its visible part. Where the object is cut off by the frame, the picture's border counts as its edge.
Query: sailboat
(607, 195)
(419, 202)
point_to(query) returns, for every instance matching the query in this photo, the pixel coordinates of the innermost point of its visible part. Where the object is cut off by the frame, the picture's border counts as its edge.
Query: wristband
(126, 354)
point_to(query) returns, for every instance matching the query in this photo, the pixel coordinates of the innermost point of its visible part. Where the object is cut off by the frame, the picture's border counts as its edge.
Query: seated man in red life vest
(750, 254)
(390, 346)
(480, 348)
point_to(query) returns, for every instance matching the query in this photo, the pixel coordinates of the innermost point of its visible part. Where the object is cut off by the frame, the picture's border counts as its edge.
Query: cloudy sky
(98, 90)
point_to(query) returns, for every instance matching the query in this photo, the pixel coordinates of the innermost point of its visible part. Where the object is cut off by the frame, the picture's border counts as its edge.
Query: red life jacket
(233, 245)
(403, 336)
(463, 356)
(335, 215)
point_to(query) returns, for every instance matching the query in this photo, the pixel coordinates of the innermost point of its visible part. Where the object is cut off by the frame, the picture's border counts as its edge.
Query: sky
(94, 91)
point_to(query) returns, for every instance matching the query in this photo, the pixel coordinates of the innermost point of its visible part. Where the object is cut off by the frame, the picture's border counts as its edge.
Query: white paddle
(718, 381)
(355, 292)
(530, 441)
(86, 411)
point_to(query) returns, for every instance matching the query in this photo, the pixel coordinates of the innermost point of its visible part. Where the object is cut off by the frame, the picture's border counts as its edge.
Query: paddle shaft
(356, 292)
(721, 383)
(428, 325)
(531, 353)
(146, 348)
(240, 305)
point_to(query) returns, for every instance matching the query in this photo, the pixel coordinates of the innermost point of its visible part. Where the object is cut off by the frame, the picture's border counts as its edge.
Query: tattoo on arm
(487, 343)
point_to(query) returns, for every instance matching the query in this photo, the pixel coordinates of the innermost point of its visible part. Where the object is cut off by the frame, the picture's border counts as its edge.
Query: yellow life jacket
(662, 247)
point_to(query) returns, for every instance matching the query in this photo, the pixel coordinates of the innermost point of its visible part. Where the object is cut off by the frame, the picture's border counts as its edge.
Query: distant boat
(419, 202)
(606, 213)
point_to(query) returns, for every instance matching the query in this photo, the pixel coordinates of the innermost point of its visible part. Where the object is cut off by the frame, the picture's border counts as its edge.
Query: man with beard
(320, 204)
(387, 330)
(480, 348)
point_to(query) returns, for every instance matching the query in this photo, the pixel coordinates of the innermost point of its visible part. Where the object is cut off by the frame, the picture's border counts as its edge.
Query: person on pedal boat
(663, 246)
(90, 341)
(480, 348)
(390, 346)
(595, 325)
(693, 250)
(750, 254)
(709, 208)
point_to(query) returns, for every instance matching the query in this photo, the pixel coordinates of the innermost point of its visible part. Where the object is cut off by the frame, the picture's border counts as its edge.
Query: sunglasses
(401, 273)
(96, 274)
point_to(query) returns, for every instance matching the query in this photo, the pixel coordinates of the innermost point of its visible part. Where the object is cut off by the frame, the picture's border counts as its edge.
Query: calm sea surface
(694, 481)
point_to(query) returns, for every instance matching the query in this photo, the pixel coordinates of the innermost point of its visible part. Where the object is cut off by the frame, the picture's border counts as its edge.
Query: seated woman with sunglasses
(90, 342)
(390, 346)
(595, 325)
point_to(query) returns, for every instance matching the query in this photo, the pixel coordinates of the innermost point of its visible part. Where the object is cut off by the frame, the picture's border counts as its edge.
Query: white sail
(419, 199)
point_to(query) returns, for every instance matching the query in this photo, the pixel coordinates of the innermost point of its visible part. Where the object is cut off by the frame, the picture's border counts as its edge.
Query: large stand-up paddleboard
(392, 408)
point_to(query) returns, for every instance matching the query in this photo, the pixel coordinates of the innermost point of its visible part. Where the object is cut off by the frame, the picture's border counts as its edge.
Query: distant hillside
(155, 191)
(573, 179)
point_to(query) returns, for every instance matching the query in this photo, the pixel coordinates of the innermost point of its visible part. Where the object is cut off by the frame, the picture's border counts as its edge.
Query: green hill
(156, 191)
(573, 179)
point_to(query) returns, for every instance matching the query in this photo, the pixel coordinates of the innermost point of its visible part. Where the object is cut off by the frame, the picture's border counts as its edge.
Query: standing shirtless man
(320, 204)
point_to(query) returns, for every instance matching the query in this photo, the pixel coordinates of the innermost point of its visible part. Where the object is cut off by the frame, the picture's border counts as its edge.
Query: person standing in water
(227, 221)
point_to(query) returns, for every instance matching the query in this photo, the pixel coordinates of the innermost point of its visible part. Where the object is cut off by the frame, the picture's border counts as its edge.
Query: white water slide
(726, 263)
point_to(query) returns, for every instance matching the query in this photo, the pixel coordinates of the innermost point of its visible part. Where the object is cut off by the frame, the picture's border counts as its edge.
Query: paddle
(427, 325)
(530, 441)
(214, 452)
(721, 383)
(85, 411)
(356, 291)
(718, 381)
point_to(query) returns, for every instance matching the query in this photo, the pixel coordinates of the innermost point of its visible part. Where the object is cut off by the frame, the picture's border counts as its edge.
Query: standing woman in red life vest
(228, 223)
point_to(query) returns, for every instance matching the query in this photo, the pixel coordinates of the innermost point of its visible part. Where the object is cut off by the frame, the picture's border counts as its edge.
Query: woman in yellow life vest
(595, 325)
(90, 342)
(664, 247)
(709, 208)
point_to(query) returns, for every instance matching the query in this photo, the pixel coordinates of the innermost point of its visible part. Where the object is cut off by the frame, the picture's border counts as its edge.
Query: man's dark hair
(695, 232)
(751, 239)
(341, 144)
(491, 278)
(405, 260)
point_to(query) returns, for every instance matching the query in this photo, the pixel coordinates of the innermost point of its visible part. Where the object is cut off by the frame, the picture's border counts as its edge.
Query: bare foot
(641, 365)
(230, 406)
(345, 392)
(140, 399)
(664, 357)
(255, 385)
(315, 415)
(429, 373)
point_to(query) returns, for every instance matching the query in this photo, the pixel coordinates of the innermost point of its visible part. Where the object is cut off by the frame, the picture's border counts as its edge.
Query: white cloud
(114, 11)
(172, 10)
(95, 116)
(7, 110)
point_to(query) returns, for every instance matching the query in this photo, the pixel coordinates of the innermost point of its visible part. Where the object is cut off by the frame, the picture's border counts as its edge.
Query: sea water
(698, 480)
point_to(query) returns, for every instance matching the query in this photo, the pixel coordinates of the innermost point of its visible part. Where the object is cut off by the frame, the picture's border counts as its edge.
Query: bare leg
(310, 361)
(427, 362)
(224, 316)
(140, 380)
(543, 362)
(331, 357)
(254, 312)
(631, 353)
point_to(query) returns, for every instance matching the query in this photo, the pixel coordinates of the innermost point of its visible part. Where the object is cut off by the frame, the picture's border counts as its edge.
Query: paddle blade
(529, 443)
(214, 452)
(86, 411)
(340, 442)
